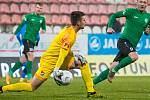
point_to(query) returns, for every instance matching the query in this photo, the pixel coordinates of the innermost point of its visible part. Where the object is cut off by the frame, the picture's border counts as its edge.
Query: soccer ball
(64, 79)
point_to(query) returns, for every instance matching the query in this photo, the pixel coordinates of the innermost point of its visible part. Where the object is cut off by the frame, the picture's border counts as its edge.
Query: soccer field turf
(122, 88)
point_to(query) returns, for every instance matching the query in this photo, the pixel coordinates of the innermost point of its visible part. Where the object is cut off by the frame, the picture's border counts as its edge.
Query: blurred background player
(137, 20)
(19, 36)
(59, 56)
(33, 21)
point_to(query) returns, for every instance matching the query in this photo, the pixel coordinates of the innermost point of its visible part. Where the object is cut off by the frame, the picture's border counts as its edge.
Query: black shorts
(28, 46)
(125, 47)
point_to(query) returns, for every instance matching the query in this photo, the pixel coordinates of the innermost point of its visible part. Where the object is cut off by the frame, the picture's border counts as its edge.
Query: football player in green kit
(34, 22)
(137, 21)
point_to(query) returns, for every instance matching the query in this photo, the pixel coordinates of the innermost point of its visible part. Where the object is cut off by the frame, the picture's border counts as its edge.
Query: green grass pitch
(122, 88)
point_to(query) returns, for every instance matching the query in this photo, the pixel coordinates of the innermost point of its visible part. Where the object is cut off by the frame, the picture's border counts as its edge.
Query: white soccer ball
(65, 79)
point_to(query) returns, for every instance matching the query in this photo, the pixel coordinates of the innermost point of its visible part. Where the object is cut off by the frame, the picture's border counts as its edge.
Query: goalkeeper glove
(57, 76)
(80, 58)
(57, 72)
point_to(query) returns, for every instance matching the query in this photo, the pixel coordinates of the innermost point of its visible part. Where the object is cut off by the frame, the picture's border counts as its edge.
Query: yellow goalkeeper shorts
(46, 68)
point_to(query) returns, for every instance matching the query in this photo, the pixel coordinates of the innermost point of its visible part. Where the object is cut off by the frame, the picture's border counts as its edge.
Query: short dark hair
(138, 0)
(38, 3)
(76, 16)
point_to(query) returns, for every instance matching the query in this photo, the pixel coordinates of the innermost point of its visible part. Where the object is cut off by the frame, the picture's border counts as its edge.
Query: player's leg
(40, 76)
(87, 76)
(104, 74)
(36, 83)
(124, 62)
(29, 65)
(28, 51)
(80, 62)
(126, 49)
(17, 65)
(132, 56)
(23, 74)
(22, 59)
(120, 56)
(23, 86)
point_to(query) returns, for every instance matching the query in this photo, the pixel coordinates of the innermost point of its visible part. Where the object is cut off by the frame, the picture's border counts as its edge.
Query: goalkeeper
(59, 56)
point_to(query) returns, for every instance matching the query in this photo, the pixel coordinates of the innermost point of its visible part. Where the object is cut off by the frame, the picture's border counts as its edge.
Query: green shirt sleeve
(123, 13)
(21, 24)
(43, 24)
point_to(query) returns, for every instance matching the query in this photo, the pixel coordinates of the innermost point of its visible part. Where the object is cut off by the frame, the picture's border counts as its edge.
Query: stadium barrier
(97, 64)
(99, 50)
(10, 48)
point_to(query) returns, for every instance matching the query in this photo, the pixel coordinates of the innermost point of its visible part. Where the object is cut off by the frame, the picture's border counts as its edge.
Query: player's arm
(21, 24)
(64, 50)
(37, 39)
(42, 30)
(123, 13)
(18, 28)
(62, 55)
(43, 26)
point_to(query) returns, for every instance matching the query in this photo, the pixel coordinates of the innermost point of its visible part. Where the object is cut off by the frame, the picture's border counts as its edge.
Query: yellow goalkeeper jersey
(65, 39)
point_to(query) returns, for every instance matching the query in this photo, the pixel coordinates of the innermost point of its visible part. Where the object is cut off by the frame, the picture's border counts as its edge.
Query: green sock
(10, 73)
(102, 76)
(16, 66)
(29, 69)
(124, 62)
(29, 76)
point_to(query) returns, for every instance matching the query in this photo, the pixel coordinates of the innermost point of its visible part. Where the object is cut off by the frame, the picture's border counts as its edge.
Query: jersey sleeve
(21, 24)
(64, 50)
(123, 13)
(43, 24)
(148, 25)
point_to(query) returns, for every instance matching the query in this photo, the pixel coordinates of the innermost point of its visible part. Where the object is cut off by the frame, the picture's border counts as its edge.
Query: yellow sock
(87, 77)
(18, 87)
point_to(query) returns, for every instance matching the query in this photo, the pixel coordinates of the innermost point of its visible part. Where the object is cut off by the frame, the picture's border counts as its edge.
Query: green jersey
(136, 22)
(33, 24)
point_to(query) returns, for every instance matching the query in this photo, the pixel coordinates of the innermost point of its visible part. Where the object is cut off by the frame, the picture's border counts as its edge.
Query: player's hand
(146, 31)
(57, 76)
(57, 72)
(11, 38)
(80, 59)
(42, 31)
(110, 30)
